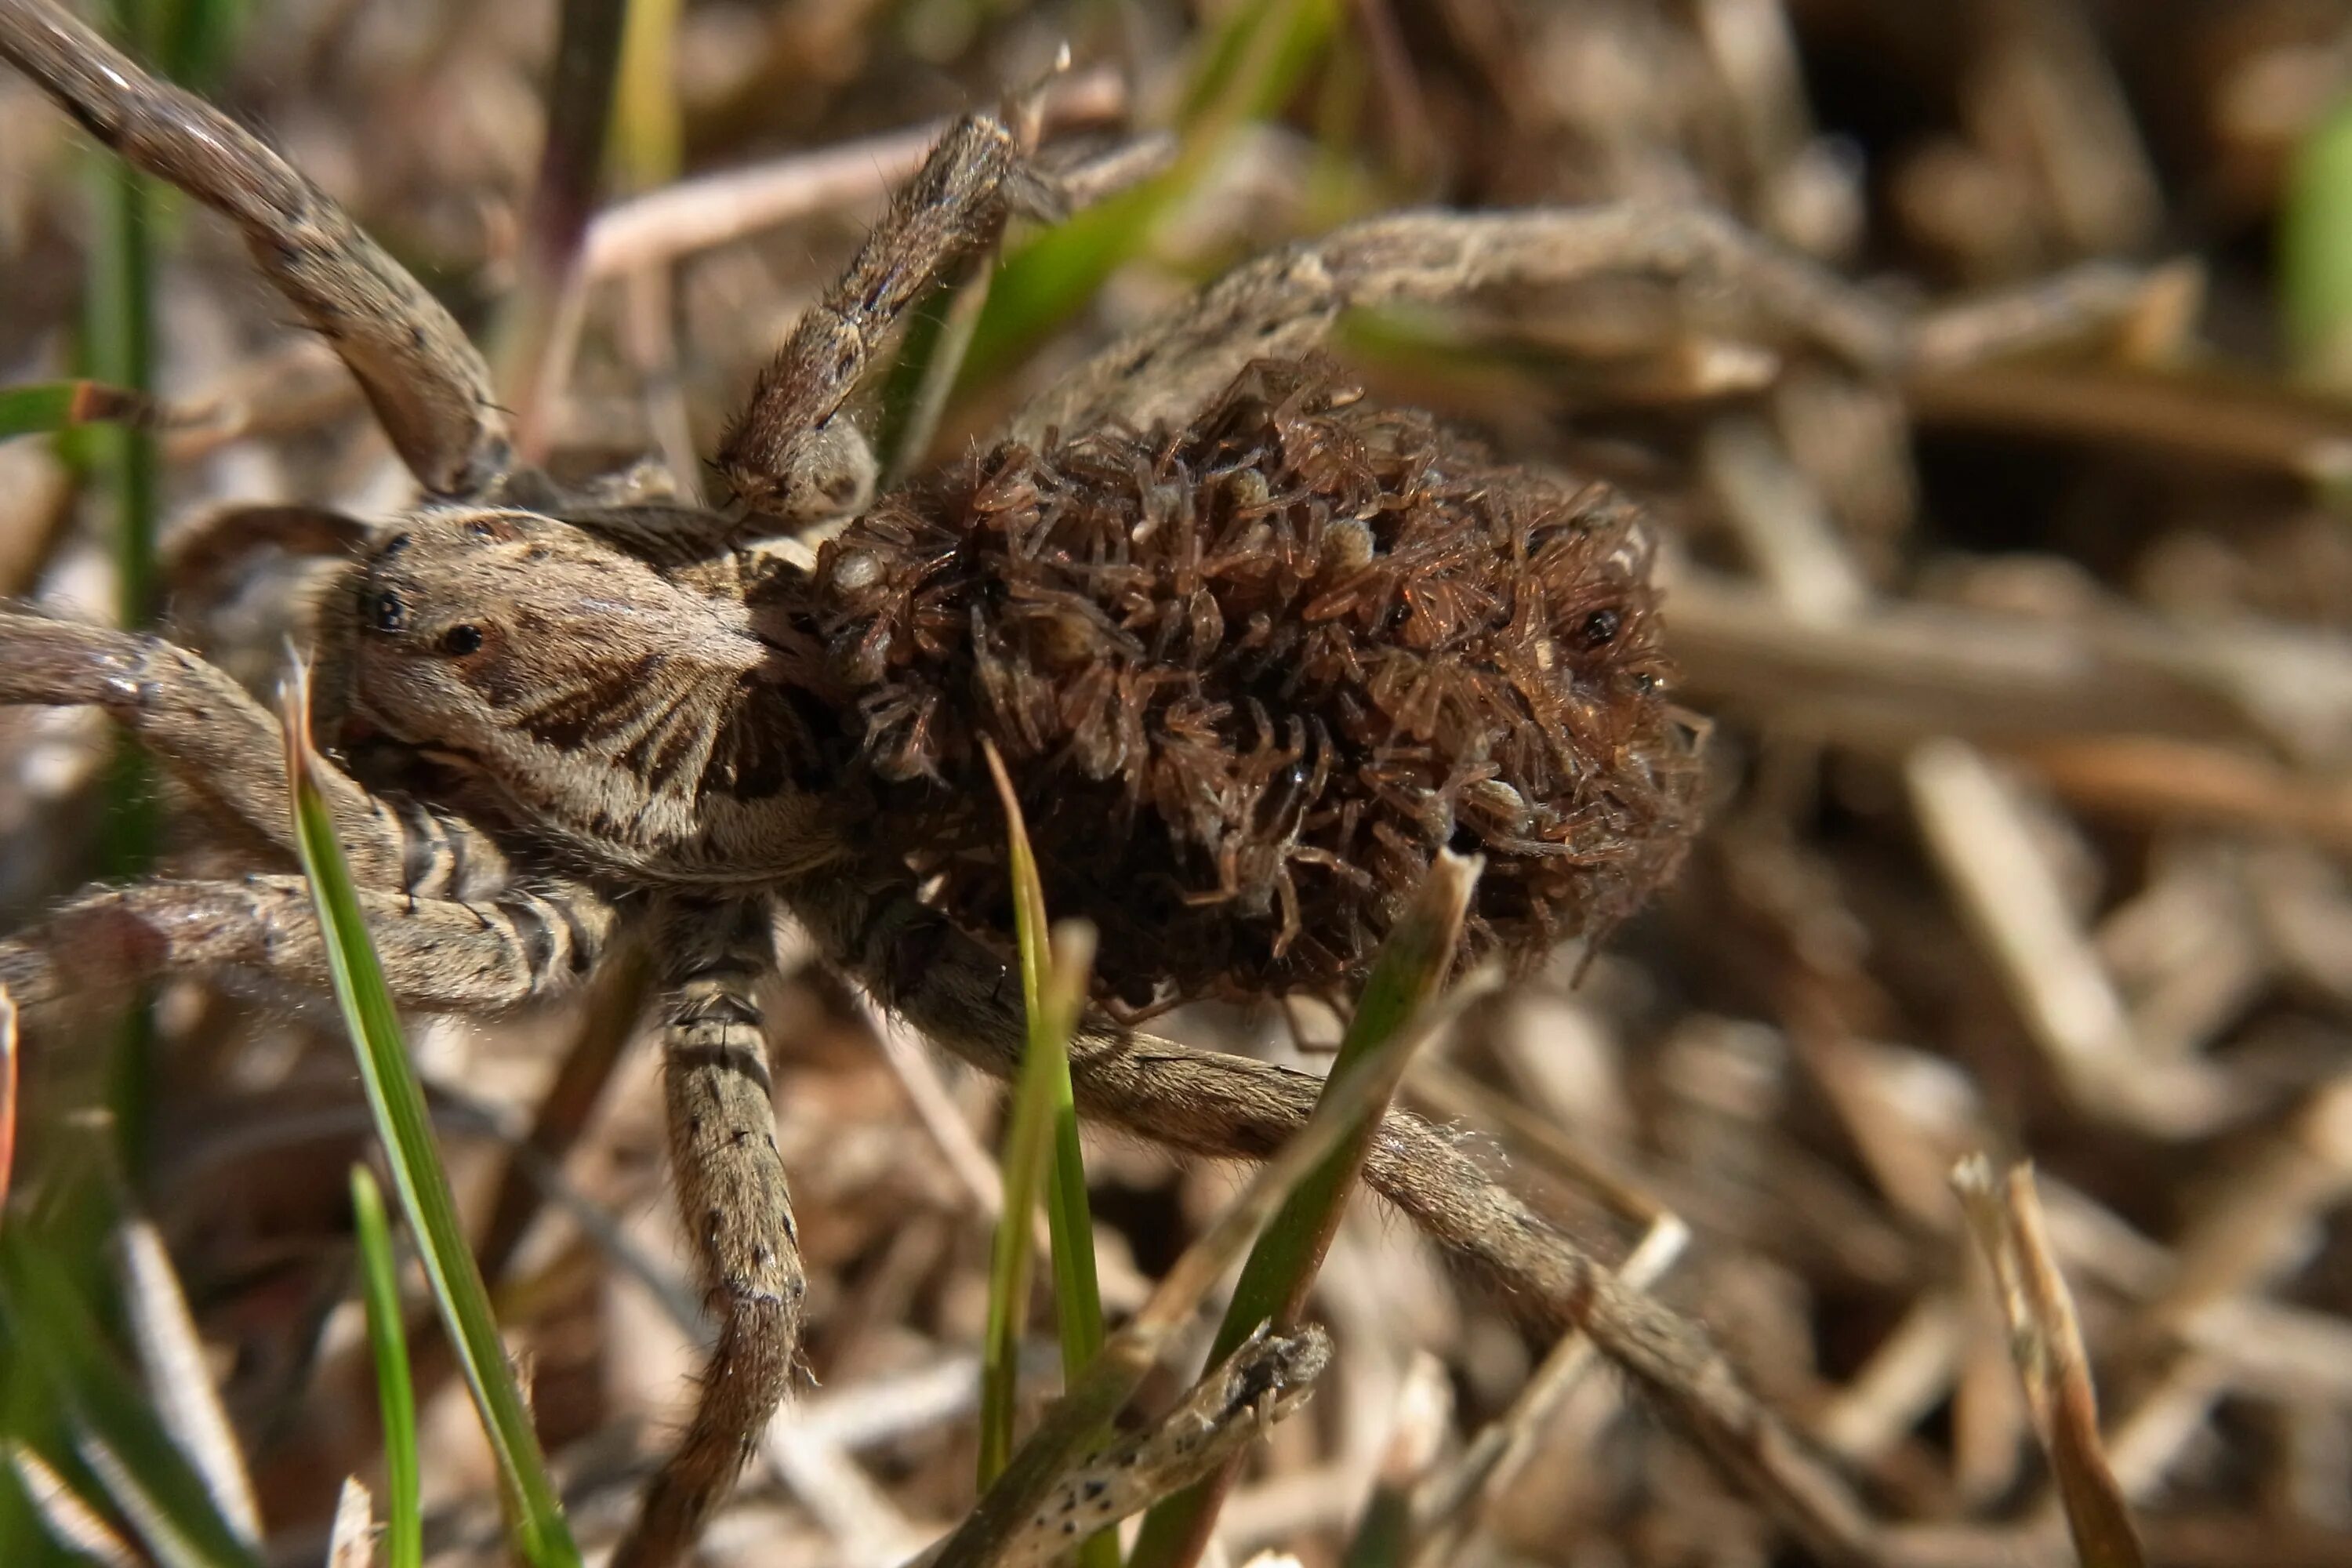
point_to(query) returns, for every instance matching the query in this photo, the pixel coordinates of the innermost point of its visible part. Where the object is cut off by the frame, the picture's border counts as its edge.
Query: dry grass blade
(2015, 900)
(710, 210)
(2046, 1340)
(72, 1523)
(149, 1515)
(172, 1358)
(1450, 1507)
(350, 1543)
(1236, 1402)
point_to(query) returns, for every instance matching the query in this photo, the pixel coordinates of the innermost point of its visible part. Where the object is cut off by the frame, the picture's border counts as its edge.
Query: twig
(1233, 1405)
(350, 1542)
(1451, 1505)
(715, 209)
(2009, 897)
(2047, 1343)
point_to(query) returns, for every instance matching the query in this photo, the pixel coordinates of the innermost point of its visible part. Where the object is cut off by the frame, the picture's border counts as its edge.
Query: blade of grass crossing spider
(1055, 963)
(1257, 60)
(1077, 1294)
(534, 1521)
(1012, 1259)
(1074, 1426)
(404, 1538)
(113, 1436)
(39, 408)
(1405, 979)
(1041, 1149)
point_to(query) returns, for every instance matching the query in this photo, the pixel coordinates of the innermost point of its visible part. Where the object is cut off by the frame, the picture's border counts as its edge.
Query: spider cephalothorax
(672, 747)
(1252, 675)
(1253, 649)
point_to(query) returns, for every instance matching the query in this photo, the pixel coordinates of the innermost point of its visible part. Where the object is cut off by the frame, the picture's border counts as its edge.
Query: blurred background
(2031, 687)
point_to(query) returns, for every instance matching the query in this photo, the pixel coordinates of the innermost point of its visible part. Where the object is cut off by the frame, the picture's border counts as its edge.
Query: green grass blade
(1054, 964)
(51, 1332)
(1077, 1295)
(404, 1538)
(534, 1520)
(2315, 253)
(1040, 1150)
(118, 347)
(1074, 1424)
(1406, 978)
(649, 137)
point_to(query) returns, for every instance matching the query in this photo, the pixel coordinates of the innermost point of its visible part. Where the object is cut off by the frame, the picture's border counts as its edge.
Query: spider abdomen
(1251, 676)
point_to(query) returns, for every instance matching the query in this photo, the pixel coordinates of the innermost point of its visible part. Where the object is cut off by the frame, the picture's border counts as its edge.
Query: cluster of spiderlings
(1250, 677)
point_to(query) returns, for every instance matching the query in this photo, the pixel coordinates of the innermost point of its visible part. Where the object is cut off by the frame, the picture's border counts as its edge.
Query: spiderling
(1251, 675)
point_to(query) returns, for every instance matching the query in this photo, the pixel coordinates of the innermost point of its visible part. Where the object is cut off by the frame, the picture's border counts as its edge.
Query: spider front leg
(230, 752)
(792, 455)
(1285, 304)
(426, 383)
(733, 1204)
(438, 954)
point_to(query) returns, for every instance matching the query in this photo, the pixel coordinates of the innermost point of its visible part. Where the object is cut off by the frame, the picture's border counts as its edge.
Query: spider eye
(1599, 628)
(461, 640)
(386, 613)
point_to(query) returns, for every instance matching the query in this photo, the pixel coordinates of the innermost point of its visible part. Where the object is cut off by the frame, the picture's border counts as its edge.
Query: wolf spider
(561, 714)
